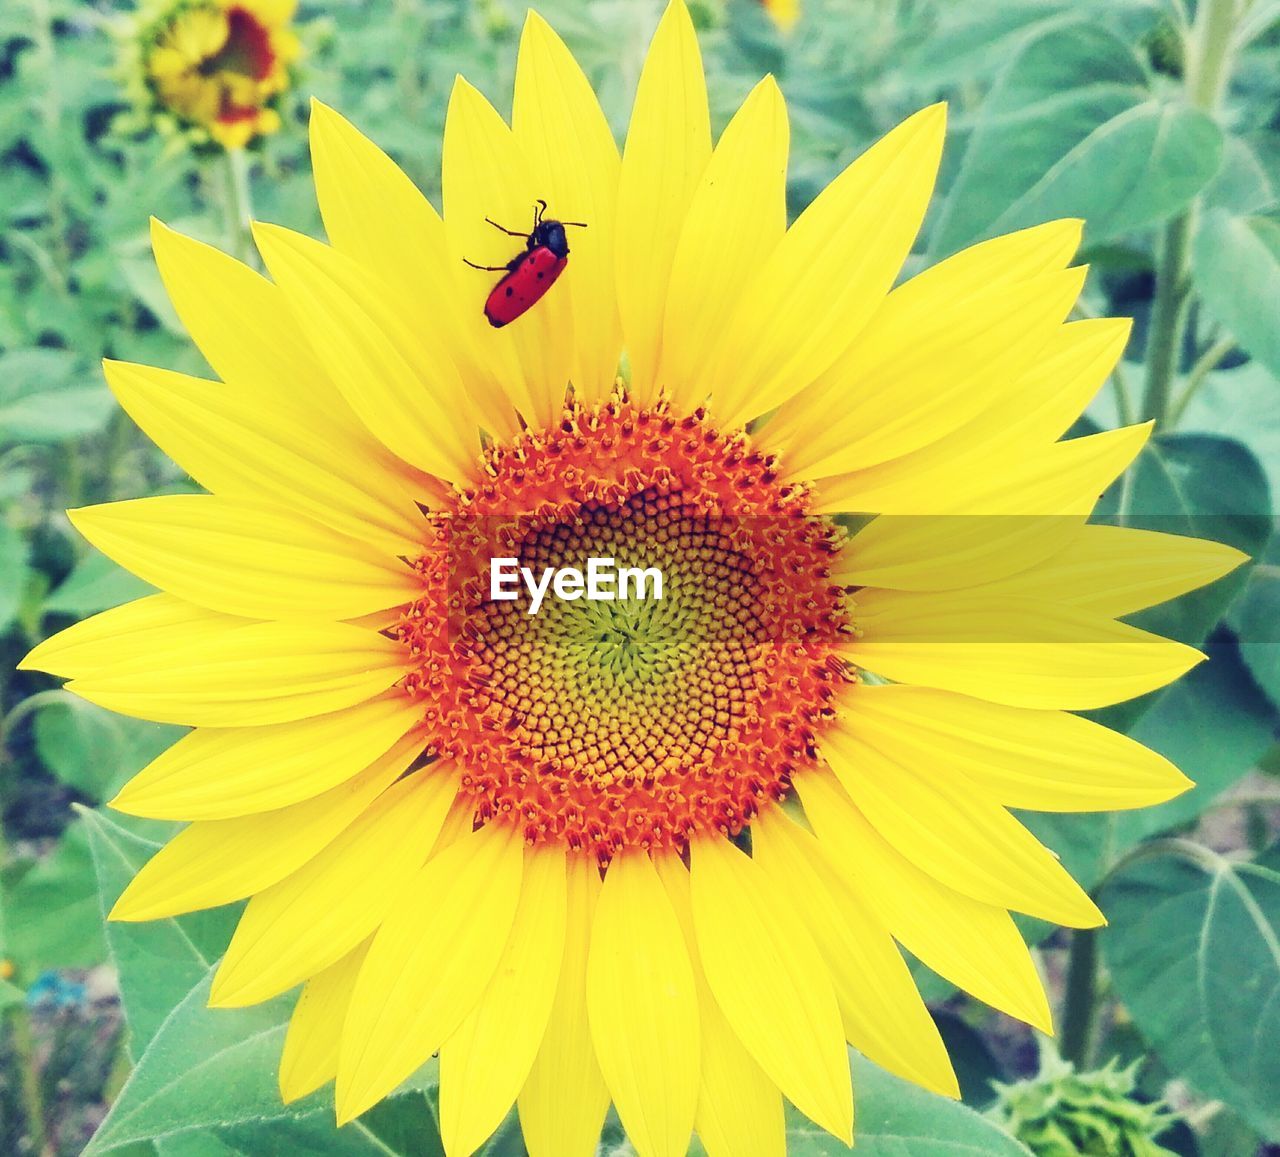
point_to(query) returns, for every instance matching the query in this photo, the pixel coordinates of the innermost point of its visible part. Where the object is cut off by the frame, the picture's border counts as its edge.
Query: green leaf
(1135, 170)
(1242, 183)
(1240, 403)
(1236, 267)
(49, 910)
(1058, 89)
(96, 584)
(81, 744)
(159, 961)
(205, 1079)
(43, 398)
(203, 1068)
(9, 995)
(1256, 619)
(94, 750)
(403, 1127)
(897, 1119)
(1194, 952)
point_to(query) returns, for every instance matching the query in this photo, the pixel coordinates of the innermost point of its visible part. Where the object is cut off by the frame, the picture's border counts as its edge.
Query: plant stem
(237, 204)
(1205, 364)
(1168, 318)
(1209, 48)
(1080, 1006)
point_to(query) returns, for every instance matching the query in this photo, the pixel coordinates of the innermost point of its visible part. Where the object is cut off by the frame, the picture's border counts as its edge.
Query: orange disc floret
(636, 721)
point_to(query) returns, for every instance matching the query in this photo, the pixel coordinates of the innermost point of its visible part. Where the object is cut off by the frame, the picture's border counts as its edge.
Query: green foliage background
(1158, 121)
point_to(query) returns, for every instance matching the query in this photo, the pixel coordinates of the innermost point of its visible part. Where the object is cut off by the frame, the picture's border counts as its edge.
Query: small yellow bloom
(216, 67)
(784, 13)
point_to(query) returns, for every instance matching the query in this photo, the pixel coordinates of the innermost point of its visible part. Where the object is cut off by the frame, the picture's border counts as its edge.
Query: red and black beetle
(530, 273)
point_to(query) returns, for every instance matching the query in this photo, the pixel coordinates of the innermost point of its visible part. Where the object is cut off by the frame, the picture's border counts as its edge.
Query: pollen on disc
(637, 722)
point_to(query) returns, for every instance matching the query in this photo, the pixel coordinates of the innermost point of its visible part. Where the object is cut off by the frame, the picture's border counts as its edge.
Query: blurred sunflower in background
(212, 70)
(784, 13)
(660, 854)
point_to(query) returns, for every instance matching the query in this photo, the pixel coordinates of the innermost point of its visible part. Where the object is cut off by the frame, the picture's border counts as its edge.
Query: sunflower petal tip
(31, 660)
(220, 997)
(291, 1089)
(533, 19)
(462, 88)
(123, 911)
(347, 1107)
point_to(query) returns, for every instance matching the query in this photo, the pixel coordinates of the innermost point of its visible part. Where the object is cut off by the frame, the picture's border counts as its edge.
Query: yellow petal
(216, 773)
(245, 557)
(1066, 478)
(1116, 570)
(428, 965)
(974, 945)
(406, 393)
(770, 982)
(996, 264)
(246, 328)
(563, 1103)
(668, 147)
(808, 299)
(244, 445)
(105, 640)
(218, 861)
(557, 120)
(935, 817)
(739, 1108)
(1022, 652)
(487, 173)
(484, 1064)
(968, 472)
(310, 1056)
(248, 676)
(884, 1017)
(931, 367)
(1054, 393)
(736, 217)
(316, 915)
(239, 320)
(947, 552)
(1040, 760)
(403, 244)
(643, 1008)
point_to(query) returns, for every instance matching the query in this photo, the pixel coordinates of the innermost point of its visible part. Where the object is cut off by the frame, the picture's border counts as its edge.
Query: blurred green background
(1156, 120)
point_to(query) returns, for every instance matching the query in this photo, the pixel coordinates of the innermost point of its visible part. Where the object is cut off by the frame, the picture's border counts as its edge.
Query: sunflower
(659, 853)
(784, 13)
(215, 67)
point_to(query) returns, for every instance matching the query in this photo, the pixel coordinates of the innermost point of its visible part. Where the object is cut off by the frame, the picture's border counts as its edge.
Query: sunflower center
(247, 50)
(628, 719)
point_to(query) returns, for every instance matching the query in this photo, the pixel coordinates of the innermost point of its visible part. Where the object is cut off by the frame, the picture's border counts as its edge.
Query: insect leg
(504, 229)
(486, 268)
